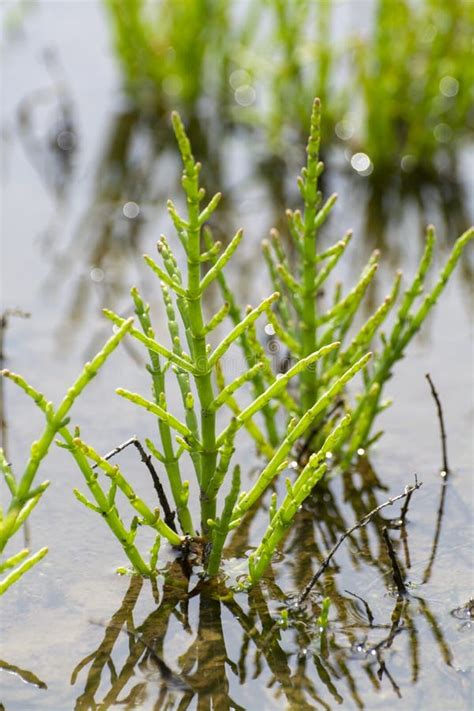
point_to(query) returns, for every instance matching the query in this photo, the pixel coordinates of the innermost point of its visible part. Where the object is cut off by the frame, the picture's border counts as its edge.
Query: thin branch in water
(405, 506)
(434, 547)
(383, 670)
(444, 474)
(169, 514)
(368, 611)
(403, 530)
(360, 524)
(396, 627)
(397, 575)
(444, 447)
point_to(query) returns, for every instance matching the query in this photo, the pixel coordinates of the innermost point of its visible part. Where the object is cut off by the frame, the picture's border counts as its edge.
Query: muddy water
(67, 250)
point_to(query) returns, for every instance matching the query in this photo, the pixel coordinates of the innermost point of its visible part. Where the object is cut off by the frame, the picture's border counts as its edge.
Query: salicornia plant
(324, 356)
(24, 496)
(406, 68)
(200, 376)
(304, 320)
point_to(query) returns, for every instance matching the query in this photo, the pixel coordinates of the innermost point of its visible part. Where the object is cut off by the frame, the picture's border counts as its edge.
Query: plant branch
(360, 524)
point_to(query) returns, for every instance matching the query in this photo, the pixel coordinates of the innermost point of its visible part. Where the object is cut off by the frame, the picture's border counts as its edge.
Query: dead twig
(405, 506)
(403, 530)
(169, 514)
(368, 611)
(444, 474)
(444, 447)
(360, 524)
(439, 519)
(397, 574)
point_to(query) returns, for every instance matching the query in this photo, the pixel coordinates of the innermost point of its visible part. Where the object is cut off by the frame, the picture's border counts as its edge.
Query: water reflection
(47, 127)
(180, 642)
(26, 676)
(137, 171)
(5, 318)
(435, 197)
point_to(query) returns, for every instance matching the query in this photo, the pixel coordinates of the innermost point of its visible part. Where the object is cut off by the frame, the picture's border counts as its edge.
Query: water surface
(68, 249)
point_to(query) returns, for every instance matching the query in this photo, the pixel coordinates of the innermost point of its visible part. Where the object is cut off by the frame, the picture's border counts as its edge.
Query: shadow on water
(201, 645)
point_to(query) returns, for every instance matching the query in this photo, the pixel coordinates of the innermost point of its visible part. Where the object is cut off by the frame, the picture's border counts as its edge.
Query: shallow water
(63, 257)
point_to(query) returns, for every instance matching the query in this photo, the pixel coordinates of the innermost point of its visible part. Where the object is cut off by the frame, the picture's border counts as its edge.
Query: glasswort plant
(303, 323)
(324, 358)
(195, 363)
(23, 495)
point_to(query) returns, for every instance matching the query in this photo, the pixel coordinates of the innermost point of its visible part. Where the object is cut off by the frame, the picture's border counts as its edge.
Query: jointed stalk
(23, 568)
(250, 353)
(106, 506)
(406, 325)
(319, 358)
(55, 419)
(203, 375)
(247, 500)
(158, 379)
(308, 185)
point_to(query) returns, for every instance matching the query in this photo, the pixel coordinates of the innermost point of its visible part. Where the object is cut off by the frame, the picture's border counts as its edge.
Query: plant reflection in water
(131, 176)
(203, 644)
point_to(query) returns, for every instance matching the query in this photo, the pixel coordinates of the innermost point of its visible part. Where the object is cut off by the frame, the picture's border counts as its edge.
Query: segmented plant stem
(170, 461)
(309, 183)
(203, 375)
(55, 419)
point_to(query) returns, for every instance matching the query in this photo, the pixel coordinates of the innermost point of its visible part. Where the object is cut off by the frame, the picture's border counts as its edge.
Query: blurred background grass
(398, 87)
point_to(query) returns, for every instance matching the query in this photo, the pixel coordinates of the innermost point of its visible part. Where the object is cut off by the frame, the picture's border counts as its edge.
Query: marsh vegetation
(268, 480)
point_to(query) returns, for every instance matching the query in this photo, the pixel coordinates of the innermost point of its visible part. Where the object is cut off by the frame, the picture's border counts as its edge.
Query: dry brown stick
(444, 447)
(169, 515)
(116, 450)
(360, 524)
(405, 506)
(404, 540)
(397, 575)
(368, 611)
(434, 547)
(383, 670)
(445, 474)
(403, 530)
(396, 627)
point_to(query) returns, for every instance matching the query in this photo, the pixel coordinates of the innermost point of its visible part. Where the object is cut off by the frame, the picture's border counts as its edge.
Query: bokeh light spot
(408, 163)
(66, 140)
(131, 210)
(245, 95)
(362, 163)
(344, 130)
(97, 274)
(449, 86)
(443, 133)
(238, 78)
